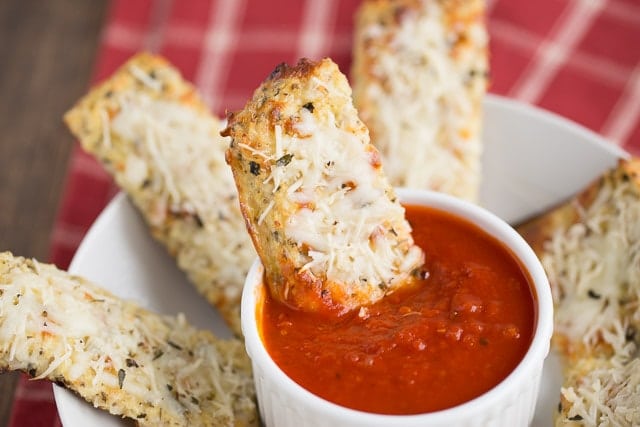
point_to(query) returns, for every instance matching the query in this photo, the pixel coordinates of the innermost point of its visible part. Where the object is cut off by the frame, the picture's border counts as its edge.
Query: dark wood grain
(47, 49)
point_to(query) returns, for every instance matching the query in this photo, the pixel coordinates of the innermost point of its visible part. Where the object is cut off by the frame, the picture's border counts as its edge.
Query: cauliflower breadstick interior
(325, 221)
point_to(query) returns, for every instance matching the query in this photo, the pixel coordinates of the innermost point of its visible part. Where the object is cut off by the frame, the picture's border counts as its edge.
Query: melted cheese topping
(595, 269)
(355, 235)
(419, 98)
(178, 156)
(337, 178)
(57, 326)
(606, 395)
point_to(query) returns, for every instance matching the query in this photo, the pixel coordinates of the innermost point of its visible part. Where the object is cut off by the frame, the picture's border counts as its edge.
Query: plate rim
(497, 102)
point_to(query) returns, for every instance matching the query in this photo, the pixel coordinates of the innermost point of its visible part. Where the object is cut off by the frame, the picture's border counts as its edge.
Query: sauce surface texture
(455, 335)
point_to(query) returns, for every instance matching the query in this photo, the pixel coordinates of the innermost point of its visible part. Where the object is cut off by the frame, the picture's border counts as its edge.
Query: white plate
(532, 160)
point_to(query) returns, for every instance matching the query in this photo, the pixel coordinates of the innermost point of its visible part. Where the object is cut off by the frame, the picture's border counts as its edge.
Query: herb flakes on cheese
(157, 370)
(163, 147)
(590, 248)
(419, 74)
(324, 219)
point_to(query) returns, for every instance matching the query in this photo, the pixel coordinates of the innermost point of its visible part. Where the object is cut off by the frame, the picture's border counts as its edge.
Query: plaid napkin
(578, 58)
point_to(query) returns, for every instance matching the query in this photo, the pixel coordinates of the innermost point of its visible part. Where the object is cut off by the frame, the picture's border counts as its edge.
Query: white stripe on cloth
(130, 38)
(604, 69)
(566, 33)
(624, 12)
(624, 116)
(270, 40)
(601, 68)
(183, 35)
(250, 40)
(222, 32)
(158, 19)
(317, 20)
(123, 36)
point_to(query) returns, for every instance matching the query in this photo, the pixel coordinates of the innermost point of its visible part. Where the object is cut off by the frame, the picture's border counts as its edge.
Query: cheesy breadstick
(157, 370)
(590, 248)
(419, 74)
(324, 220)
(154, 134)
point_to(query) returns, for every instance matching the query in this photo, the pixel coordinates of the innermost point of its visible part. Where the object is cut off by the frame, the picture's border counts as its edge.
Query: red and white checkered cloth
(578, 58)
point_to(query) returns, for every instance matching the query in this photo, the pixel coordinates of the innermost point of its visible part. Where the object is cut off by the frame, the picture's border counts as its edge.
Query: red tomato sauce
(454, 336)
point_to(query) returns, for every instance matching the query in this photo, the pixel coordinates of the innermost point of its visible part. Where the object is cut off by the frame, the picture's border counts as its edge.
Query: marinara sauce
(457, 334)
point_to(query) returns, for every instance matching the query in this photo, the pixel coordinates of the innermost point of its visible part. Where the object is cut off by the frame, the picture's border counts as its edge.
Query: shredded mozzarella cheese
(594, 268)
(419, 94)
(331, 168)
(105, 348)
(181, 154)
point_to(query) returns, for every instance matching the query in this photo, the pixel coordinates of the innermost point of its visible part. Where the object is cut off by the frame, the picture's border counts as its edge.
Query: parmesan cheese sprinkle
(419, 76)
(594, 268)
(118, 356)
(313, 190)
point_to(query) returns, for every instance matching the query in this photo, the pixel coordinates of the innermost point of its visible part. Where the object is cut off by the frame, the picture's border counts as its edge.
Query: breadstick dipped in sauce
(325, 221)
(350, 314)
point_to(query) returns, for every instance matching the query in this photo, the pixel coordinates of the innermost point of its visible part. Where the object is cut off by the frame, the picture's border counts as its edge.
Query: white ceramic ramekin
(284, 403)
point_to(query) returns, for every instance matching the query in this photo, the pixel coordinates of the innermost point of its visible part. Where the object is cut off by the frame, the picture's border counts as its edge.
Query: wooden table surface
(47, 50)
